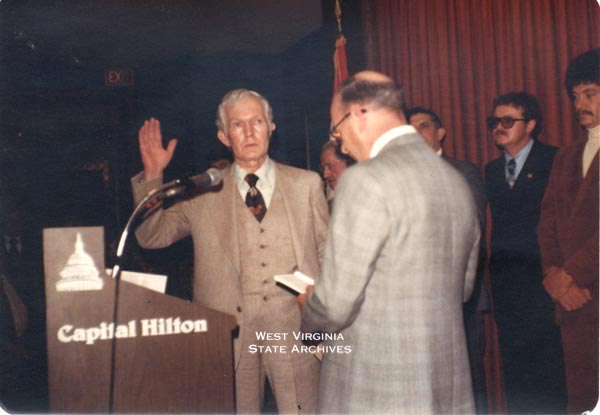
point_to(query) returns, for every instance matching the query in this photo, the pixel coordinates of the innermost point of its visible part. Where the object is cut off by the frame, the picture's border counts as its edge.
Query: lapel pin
(530, 175)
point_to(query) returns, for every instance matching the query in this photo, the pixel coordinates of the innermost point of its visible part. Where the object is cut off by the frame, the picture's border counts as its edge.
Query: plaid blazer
(400, 259)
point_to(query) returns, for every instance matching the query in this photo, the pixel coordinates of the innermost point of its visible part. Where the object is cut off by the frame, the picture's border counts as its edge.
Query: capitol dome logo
(79, 273)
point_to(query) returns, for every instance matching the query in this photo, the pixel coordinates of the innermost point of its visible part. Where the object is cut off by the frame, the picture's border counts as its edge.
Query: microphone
(210, 178)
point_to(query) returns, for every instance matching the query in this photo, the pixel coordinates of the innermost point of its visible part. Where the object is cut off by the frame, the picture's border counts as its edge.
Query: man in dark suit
(515, 182)
(568, 237)
(429, 125)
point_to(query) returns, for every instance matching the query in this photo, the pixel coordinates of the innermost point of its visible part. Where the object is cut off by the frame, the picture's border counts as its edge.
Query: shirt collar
(594, 133)
(266, 182)
(520, 157)
(388, 136)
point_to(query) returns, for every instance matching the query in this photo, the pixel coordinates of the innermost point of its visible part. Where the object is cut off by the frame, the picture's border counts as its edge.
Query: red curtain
(455, 56)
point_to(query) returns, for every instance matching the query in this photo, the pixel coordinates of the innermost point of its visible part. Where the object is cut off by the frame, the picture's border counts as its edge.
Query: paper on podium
(154, 282)
(296, 282)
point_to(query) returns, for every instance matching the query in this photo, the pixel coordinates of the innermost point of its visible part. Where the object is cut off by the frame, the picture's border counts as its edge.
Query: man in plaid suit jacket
(400, 259)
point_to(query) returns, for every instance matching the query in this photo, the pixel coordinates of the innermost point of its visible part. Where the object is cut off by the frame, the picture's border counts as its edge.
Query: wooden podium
(171, 356)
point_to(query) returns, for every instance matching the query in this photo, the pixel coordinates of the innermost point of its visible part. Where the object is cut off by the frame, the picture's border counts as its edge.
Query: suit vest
(266, 250)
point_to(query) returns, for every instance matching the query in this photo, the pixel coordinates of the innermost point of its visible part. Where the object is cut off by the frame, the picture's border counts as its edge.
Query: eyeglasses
(334, 133)
(507, 122)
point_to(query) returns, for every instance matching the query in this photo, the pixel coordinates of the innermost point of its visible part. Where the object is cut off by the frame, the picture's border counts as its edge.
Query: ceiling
(129, 33)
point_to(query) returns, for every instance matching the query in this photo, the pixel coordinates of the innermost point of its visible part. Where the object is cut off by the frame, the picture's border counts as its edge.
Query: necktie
(511, 167)
(254, 199)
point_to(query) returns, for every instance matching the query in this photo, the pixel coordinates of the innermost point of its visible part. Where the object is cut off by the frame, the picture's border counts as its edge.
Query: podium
(170, 356)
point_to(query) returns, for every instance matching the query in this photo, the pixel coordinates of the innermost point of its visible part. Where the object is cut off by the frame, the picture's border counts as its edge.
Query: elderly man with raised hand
(267, 219)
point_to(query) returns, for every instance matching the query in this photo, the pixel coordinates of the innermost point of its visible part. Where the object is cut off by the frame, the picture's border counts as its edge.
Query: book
(297, 282)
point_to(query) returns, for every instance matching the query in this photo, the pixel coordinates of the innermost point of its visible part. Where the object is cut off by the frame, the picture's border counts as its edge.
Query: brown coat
(568, 228)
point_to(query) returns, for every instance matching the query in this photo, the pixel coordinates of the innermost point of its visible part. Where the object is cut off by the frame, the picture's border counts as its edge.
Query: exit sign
(118, 77)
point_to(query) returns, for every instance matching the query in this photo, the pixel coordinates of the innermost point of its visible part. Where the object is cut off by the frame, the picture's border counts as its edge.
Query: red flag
(340, 63)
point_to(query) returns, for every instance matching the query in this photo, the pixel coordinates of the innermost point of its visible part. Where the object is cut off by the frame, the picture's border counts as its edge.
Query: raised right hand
(154, 156)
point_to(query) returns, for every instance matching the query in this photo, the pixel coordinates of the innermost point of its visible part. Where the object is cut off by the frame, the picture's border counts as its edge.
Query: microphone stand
(150, 201)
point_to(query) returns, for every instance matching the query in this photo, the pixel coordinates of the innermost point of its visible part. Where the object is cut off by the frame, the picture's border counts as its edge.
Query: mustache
(579, 113)
(500, 132)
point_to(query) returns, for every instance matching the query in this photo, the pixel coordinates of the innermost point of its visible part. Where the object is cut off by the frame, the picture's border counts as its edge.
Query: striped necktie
(254, 199)
(511, 167)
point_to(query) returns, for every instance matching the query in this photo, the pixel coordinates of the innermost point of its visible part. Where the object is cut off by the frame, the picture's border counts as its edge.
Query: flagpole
(340, 63)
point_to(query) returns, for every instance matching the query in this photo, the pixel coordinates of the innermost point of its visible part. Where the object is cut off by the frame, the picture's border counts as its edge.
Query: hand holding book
(297, 282)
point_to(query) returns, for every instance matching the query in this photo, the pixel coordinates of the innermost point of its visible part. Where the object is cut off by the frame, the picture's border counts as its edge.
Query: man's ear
(441, 133)
(530, 126)
(358, 112)
(223, 138)
(273, 127)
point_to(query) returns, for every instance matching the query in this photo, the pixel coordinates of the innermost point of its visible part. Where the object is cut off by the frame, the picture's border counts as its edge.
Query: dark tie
(511, 167)
(254, 199)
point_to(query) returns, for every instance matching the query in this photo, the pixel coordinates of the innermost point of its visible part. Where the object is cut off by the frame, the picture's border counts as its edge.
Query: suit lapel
(589, 183)
(498, 177)
(226, 219)
(530, 167)
(296, 210)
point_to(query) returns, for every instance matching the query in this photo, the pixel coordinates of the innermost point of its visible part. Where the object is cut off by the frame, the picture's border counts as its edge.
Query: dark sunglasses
(507, 122)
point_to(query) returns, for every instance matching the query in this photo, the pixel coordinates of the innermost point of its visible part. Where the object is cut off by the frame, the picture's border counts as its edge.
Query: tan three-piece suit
(235, 259)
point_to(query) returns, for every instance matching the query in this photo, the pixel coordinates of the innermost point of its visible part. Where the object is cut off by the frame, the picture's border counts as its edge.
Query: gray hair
(233, 97)
(337, 151)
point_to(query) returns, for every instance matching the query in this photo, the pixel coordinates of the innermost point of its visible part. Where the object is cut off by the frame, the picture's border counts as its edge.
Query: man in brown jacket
(568, 237)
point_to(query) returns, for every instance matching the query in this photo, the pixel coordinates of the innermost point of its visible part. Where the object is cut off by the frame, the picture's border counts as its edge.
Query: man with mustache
(568, 237)
(515, 182)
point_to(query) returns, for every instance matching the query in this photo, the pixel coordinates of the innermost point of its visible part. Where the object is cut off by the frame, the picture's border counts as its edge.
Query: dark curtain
(455, 56)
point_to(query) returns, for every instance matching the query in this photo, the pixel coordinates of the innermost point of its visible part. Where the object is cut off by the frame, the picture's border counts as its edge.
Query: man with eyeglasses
(515, 182)
(400, 259)
(568, 236)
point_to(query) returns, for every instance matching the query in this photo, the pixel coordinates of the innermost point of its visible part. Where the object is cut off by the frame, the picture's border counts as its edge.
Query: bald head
(367, 105)
(373, 76)
(370, 87)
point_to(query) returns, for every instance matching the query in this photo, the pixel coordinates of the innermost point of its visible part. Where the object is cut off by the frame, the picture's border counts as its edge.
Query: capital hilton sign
(146, 327)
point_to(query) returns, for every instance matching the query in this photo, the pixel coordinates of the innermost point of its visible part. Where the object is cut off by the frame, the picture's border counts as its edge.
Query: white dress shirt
(390, 135)
(591, 148)
(265, 183)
